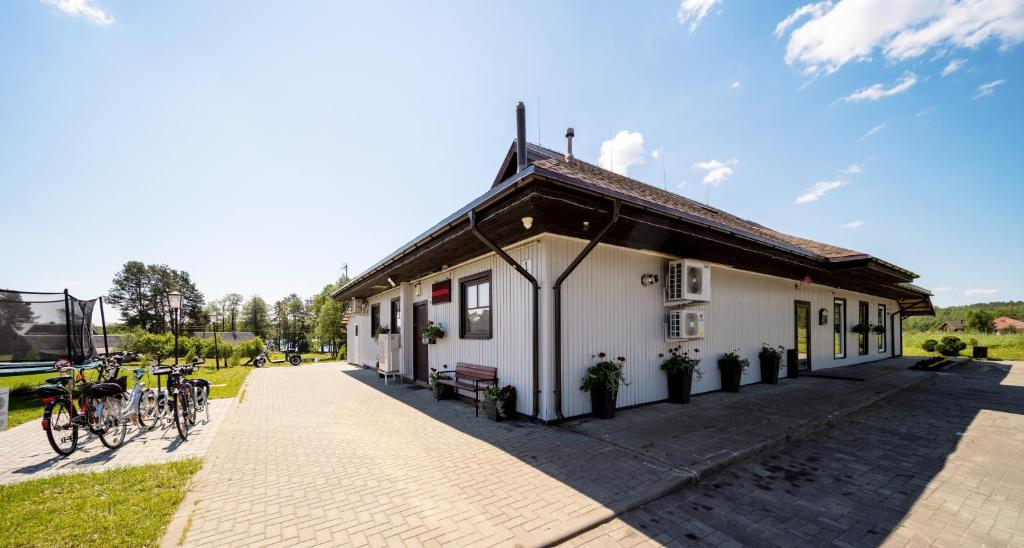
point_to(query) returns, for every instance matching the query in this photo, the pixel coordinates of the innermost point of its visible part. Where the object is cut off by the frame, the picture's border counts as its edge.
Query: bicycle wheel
(115, 423)
(146, 412)
(193, 404)
(60, 430)
(180, 404)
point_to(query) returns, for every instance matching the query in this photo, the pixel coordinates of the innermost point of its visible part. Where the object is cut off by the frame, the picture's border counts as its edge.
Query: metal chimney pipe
(569, 134)
(520, 136)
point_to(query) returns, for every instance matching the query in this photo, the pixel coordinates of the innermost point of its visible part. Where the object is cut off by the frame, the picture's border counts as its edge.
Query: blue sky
(261, 145)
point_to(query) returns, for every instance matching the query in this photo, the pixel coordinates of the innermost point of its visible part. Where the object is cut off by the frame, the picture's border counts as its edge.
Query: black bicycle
(179, 396)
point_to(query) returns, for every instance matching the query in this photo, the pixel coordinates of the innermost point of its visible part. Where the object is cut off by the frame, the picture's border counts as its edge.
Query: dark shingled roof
(601, 177)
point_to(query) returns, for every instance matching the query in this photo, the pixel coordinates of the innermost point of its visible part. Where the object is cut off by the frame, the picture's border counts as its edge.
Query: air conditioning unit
(687, 281)
(684, 324)
(388, 354)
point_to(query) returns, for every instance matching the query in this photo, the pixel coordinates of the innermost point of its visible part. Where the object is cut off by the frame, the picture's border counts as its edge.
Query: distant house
(952, 325)
(1003, 323)
(233, 337)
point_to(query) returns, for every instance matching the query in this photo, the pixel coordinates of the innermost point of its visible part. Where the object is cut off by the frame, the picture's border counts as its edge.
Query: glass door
(802, 333)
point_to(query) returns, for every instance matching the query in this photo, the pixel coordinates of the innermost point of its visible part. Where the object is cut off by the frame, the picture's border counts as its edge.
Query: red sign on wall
(441, 292)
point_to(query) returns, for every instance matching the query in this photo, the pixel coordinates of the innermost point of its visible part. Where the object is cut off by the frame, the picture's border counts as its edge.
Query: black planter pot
(442, 391)
(769, 370)
(508, 406)
(792, 364)
(732, 373)
(679, 386)
(602, 401)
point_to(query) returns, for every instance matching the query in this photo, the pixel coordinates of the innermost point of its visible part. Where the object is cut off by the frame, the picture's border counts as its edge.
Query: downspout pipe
(892, 330)
(616, 204)
(536, 310)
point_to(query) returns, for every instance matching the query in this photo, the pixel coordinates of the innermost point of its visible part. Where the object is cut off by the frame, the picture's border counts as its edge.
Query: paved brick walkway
(940, 464)
(26, 454)
(715, 430)
(326, 454)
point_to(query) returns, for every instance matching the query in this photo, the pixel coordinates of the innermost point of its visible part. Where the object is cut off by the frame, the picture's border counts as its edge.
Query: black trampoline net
(45, 327)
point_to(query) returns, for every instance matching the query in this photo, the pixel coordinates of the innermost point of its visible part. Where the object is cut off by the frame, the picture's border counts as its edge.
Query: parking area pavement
(716, 429)
(939, 464)
(327, 454)
(26, 454)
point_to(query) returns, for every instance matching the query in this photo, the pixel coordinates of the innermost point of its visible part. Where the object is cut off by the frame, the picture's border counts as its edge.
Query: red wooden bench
(471, 378)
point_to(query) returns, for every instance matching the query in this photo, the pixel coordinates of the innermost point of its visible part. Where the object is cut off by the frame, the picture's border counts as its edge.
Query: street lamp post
(174, 303)
(216, 348)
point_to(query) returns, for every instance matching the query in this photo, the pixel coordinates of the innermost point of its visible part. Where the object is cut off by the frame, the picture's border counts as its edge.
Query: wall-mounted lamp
(418, 288)
(527, 223)
(586, 226)
(823, 316)
(648, 279)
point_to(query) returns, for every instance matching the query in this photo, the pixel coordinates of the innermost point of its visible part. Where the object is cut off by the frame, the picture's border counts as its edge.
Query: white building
(554, 264)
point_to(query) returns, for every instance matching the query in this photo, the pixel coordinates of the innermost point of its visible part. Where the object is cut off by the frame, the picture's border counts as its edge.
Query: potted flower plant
(771, 362)
(499, 403)
(680, 369)
(432, 332)
(441, 391)
(878, 329)
(382, 330)
(602, 381)
(732, 366)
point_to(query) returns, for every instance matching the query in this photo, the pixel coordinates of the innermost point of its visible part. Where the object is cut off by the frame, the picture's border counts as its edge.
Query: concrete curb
(599, 517)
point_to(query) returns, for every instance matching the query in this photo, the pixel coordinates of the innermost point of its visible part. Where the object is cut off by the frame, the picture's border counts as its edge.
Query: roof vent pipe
(569, 134)
(520, 136)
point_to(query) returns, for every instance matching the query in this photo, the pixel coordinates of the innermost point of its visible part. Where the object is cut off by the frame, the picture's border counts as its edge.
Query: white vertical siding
(605, 309)
(509, 349)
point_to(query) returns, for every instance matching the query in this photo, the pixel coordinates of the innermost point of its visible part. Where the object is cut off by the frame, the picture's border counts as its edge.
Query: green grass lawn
(1000, 347)
(119, 507)
(25, 406)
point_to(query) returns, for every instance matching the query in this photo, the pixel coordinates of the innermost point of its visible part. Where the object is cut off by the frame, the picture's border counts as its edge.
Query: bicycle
(100, 408)
(183, 398)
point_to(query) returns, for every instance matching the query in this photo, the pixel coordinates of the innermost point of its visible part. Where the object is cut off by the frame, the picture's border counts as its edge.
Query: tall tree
(232, 306)
(255, 316)
(140, 292)
(130, 293)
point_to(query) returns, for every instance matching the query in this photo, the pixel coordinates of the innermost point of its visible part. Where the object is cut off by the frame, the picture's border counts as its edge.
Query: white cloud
(875, 92)
(717, 172)
(852, 30)
(621, 152)
(681, 184)
(817, 190)
(853, 169)
(852, 225)
(941, 289)
(985, 90)
(88, 9)
(815, 10)
(871, 132)
(976, 292)
(735, 85)
(693, 11)
(657, 153)
(953, 66)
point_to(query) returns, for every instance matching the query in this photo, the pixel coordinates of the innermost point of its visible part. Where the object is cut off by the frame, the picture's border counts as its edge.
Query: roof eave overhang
(436, 231)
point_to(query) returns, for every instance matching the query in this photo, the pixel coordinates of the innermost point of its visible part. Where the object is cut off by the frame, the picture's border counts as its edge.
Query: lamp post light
(216, 349)
(174, 303)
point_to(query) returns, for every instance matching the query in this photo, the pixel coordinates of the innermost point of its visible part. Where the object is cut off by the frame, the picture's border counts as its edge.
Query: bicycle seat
(51, 390)
(102, 389)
